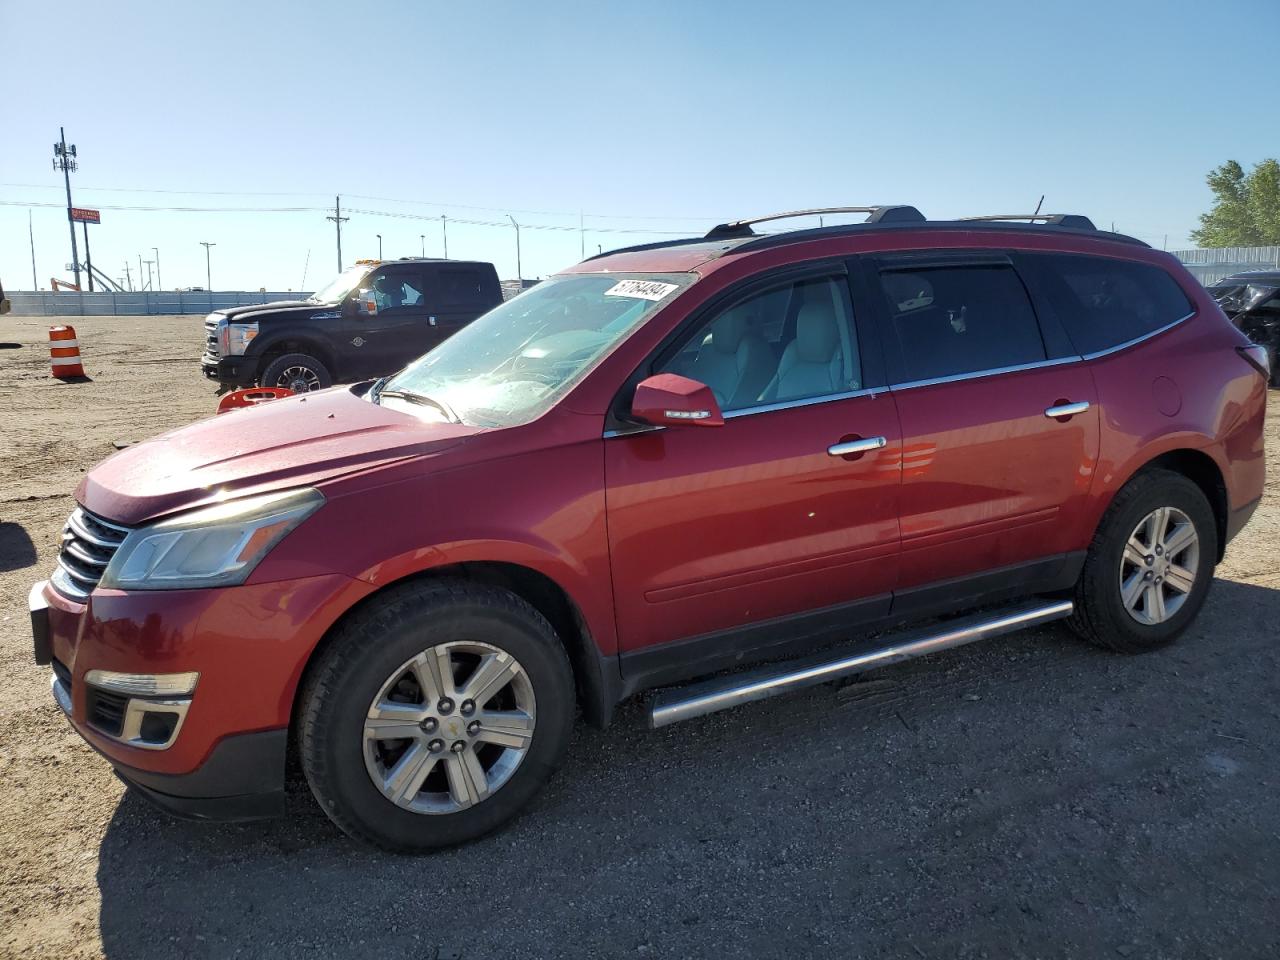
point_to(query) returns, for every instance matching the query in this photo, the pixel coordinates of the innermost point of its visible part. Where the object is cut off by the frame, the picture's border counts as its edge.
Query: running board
(720, 693)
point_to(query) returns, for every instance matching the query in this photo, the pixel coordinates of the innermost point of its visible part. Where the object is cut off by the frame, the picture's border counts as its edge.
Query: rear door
(400, 331)
(999, 421)
(736, 537)
(457, 294)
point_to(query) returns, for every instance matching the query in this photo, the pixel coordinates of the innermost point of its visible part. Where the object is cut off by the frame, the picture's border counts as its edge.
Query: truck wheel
(300, 372)
(435, 715)
(1150, 565)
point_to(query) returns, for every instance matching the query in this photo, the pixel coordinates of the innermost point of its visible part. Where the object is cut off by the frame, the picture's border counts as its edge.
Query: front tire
(435, 715)
(299, 372)
(1150, 565)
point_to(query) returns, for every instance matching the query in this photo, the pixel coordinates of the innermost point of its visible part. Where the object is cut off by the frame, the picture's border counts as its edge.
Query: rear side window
(1104, 303)
(951, 321)
(458, 286)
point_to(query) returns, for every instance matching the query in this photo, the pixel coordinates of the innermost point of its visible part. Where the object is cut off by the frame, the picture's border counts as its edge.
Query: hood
(300, 441)
(259, 311)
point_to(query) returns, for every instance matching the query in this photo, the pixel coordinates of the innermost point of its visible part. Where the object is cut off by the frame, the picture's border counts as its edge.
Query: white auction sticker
(640, 289)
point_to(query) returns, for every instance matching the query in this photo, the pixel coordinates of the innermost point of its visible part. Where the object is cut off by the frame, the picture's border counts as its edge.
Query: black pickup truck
(371, 320)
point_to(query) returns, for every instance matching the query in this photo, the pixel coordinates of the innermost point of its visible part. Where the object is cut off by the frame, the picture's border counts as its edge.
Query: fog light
(144, 684)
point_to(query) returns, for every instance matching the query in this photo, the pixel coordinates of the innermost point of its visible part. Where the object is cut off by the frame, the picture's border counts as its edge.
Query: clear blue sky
(648, 117)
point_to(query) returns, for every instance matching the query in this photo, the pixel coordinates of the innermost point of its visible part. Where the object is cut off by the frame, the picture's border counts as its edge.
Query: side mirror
(366, 303)
(669, 400)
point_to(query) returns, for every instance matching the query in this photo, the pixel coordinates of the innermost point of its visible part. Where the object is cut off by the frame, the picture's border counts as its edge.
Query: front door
(384, 342)
(1000, 431)
(724, 537)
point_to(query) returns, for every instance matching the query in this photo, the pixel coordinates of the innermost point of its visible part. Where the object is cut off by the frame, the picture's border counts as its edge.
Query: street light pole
(379, 236)
(519, 272)
(157, 253)
(421, 236)
(444, 230)
(149, 283)
(208, 275)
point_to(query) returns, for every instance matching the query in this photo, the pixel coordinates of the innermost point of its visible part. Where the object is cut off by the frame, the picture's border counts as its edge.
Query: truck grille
(211, 338)
(88, 544)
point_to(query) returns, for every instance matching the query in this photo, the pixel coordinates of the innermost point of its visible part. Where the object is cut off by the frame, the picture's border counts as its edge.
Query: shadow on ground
(16, 549)
(1030, 796)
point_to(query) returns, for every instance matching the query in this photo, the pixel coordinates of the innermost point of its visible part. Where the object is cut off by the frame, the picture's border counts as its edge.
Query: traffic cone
(64, 352)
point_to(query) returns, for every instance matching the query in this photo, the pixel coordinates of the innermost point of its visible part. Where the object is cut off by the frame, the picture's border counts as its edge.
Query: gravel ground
(1027, 797)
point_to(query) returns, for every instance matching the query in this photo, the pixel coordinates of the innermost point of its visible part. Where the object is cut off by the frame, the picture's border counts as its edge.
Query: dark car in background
(1252, 302)
(371, 320)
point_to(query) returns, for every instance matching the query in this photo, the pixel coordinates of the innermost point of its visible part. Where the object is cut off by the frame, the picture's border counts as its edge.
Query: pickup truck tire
(300, 372)
(1150, 565)
(482, 689)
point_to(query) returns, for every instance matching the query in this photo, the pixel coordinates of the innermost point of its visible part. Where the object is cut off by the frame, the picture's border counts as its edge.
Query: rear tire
(448, 780)
(1150, 565)
(300, 372)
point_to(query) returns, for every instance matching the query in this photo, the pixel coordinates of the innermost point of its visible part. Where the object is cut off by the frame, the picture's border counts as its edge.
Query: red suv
(667, 461)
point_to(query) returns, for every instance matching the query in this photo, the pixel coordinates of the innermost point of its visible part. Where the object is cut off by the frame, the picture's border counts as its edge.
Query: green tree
(1246, 208)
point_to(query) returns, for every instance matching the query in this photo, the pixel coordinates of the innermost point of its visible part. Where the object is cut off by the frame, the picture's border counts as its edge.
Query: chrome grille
(211, 337)
(88, 544)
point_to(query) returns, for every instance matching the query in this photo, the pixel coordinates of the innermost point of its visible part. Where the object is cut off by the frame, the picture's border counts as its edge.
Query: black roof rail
(1075, 221)
(881, 213)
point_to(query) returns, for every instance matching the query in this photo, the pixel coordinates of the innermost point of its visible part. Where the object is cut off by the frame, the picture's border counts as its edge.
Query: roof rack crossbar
(880, 213)
(1075, 220)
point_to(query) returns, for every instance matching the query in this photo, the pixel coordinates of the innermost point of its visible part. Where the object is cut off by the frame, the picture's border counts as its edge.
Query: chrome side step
(720, 693)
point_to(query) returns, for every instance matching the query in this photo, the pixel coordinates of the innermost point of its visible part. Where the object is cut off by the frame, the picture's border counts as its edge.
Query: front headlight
(234, 338)
(214, 546)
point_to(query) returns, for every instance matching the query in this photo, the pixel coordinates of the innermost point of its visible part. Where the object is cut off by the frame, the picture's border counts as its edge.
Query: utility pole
(379, 236)
(444, 229)
(128, 276)
(140, 271)
(421, 236)
(582, 238)
(64, 159)
(157, 253)
(88, 258)
(338, 220)
(149, 283)
(519, 272)
(35, 284)
(208, 274)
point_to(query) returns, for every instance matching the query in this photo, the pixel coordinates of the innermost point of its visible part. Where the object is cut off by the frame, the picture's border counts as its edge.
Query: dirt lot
(1030, 797)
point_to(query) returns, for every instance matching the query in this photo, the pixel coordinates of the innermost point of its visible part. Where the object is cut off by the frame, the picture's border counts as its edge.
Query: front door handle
(863, 445)
(1066, 409)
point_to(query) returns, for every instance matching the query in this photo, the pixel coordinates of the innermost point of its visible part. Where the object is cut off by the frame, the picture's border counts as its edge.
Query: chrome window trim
(955, 378)
(1136, 340)
(763, 408)
(805, 402)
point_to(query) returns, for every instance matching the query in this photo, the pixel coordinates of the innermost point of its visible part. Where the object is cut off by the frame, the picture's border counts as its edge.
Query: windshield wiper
(422, 400)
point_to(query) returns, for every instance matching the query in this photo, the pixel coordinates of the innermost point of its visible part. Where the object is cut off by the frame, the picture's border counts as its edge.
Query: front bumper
(234, 371)
(249, 645)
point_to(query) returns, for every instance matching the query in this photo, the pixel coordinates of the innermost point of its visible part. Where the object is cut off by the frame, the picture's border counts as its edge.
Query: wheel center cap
(453, 727)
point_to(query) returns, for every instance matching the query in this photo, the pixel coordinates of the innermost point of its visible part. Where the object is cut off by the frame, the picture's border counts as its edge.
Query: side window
(396, 289)
(1104, 303)
(792, 342)
(457, 286)
(951, 321)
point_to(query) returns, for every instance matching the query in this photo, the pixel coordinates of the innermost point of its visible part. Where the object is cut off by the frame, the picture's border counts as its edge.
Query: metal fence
(47, 304)
(1212, 264)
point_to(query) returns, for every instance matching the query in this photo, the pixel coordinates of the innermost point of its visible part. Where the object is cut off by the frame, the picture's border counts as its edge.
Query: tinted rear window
(952, 321)
(459, 285)
(1104, 303)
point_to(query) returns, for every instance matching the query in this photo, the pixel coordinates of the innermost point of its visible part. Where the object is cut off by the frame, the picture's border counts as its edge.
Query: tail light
(1259, 358)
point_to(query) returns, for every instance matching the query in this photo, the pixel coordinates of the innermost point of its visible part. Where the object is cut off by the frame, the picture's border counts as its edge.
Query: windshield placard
(641, 289)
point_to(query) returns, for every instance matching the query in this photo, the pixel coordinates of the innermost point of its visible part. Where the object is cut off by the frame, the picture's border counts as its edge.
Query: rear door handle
(1067, 410)
(865, 445)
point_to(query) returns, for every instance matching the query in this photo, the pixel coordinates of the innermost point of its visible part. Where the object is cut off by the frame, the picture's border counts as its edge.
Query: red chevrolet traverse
(663, 463)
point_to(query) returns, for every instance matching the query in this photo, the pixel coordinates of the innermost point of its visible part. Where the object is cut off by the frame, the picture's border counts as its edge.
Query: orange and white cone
(64, 353)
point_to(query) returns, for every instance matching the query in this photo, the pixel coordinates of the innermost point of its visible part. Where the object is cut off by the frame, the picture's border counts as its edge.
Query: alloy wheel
(1159, 565)
(299, 379)
(449, 727)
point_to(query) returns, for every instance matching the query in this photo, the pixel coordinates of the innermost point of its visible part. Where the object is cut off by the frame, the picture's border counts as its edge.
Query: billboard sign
(85, 215)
